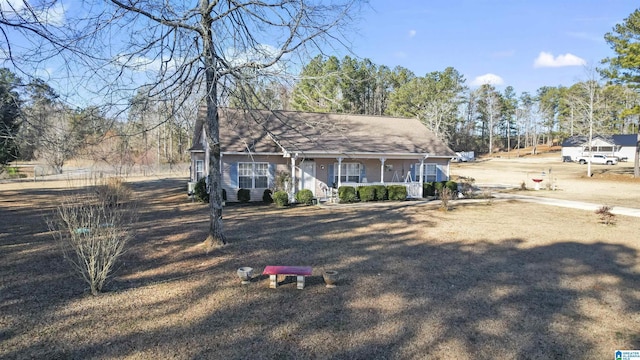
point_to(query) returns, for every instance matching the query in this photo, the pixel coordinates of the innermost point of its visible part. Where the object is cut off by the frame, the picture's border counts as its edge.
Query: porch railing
(414, 189)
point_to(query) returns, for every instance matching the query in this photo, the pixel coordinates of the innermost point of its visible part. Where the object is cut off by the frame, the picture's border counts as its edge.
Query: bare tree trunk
(216, 234)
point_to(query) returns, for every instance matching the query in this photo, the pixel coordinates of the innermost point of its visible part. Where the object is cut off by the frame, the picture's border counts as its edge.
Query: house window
(253, 175)
(199, 169)
(350, 173)
(430, 173)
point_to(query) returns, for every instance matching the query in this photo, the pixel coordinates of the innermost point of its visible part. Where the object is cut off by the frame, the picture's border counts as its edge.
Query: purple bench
(274, 271)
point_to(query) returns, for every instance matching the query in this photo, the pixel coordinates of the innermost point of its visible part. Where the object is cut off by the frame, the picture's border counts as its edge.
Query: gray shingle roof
(622, 140)
(314, 133)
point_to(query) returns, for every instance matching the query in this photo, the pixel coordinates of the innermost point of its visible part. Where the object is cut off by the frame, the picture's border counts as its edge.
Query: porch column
(339, 172)
(382, 160)
(421, 170)
(422, 174)
(292, 194)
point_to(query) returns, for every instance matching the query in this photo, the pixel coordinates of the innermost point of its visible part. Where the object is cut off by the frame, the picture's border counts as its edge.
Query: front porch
(414, 190)
(324, 175)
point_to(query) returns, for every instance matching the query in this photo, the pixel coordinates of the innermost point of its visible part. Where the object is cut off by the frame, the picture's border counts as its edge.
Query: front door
(309, 176)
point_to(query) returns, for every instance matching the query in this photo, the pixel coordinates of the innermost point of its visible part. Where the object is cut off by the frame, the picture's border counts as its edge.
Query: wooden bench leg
(273, 281)
(300, 282)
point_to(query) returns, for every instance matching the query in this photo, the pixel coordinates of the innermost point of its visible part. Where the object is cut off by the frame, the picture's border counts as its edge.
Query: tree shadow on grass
(402, 294)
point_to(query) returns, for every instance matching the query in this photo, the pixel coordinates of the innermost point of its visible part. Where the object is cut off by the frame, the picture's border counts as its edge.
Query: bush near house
(397, 192)
(428, 189)
(304, 196)
(347, 194)
(451, 185)
(281, 198)
(438, 186)
(244, 195)
(266, 196)
(367, 193)
(200, 191)
(380, 192)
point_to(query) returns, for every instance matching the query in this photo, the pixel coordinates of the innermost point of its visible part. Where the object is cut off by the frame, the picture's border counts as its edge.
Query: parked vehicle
(598, 159)
(465, 156)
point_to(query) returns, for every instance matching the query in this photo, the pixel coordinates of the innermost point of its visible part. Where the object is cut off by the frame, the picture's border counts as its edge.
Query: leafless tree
(588, 103)
(206, 48)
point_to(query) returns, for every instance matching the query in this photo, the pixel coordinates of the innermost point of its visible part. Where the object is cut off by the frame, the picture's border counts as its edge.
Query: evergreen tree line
(482, 119)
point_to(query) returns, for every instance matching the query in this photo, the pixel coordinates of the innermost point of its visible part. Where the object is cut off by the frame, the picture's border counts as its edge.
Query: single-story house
(319, 151)
(621, 146)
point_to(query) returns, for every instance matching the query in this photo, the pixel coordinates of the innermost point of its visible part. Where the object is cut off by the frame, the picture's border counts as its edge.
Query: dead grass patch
(511, 280)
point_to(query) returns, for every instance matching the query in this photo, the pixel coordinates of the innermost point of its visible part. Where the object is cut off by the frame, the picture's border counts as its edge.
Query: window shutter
(363, 172)
(233, 175)
(440, 175)
(330, 175)
(272, 175)
(413, 171)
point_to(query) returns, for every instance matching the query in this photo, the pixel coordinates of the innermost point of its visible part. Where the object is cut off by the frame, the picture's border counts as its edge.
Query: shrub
(281, 198)
(428, 189)
(200, 190)
(488, 195)
(266, 196)
(380, 192)
(244, 195)
(605, 214)
(347, 194)
(523, 186)
(451, 185)
(282, 181)
(466, 186)
(14, 172)
(437, 186)
(113, 191)
(304, 196)
(397, 192)
(366, 193)
(93, 226)
(445, 196)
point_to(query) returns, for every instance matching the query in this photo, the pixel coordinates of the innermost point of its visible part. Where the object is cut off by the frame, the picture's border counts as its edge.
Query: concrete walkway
(617, 210)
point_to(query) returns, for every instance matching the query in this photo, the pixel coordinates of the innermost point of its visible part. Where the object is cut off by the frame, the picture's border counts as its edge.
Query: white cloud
(138, 63)
(53, 15)
(491, 79)
(9, 6)
(546, 59)
(412, 33)
(44, 13)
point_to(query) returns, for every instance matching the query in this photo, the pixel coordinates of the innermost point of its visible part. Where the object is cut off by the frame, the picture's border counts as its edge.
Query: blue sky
(525, 44)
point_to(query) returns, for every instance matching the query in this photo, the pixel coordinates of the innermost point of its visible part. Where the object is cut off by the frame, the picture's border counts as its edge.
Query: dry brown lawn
(488, 279)
(609, 185)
